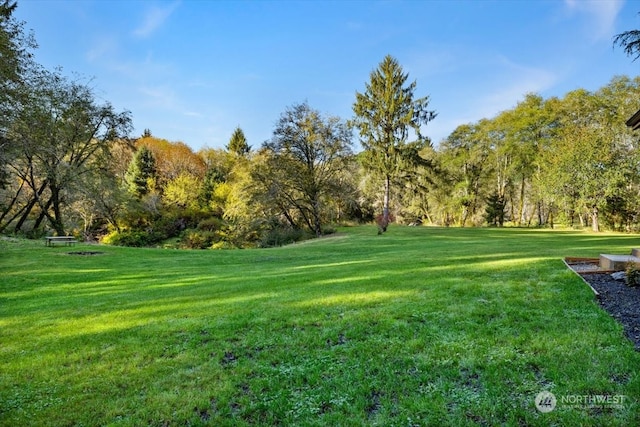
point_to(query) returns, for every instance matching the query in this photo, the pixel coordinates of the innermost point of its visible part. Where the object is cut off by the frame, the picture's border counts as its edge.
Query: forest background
(70, 165)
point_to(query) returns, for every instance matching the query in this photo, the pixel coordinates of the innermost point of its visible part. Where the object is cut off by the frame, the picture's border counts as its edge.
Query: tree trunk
(474, 202)
(317, 222)
(540, 214)
(56, 220)
(595, 225)
(428, 217)
(30, 205)
(288, 217)
(10, 205)
(521, 205)
(42, 216)
(305, 217)
(465, 214)
(385, 204)
(572, 216)
(10, 220)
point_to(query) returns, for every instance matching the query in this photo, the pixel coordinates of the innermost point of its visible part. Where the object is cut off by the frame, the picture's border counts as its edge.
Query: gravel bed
(619, 300)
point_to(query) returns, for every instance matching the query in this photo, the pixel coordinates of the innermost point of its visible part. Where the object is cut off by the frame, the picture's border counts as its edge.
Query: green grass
(420, 326)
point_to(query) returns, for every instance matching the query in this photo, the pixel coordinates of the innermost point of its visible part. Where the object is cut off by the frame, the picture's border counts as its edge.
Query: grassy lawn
(420, 326)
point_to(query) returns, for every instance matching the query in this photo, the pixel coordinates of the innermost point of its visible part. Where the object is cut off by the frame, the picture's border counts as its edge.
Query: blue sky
(193, 70)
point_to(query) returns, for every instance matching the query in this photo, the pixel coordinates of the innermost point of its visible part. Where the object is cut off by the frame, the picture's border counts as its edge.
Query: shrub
(132, 238)
(211, 224)
(632, 276)
(244, 234)
(198, 239)
(168, 226)
(495, 210)
(280, 236)
(175, 221)
(327, 229)
(36, 233)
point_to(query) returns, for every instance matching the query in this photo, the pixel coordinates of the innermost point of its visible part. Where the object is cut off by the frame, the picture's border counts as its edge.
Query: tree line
(569, 161)
(70, 165)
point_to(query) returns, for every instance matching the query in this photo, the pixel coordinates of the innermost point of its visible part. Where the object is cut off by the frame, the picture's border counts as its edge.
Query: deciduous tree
(61, 130)
(182, 191)
(173, 159)
(15, 62)
(306, 154)
(463, 162)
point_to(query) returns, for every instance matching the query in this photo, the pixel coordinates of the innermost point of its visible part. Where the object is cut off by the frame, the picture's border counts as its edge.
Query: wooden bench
(68, 240)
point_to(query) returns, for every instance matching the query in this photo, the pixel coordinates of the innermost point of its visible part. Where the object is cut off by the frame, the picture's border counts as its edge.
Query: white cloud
(136, 71)
(354, 25)
(192, 114)
(602, 15)
(499, 86)
(435, 60)
(154, 18)
(159, 96)
(163, 97)
(102, 48)
(514, 84)
(443, 125)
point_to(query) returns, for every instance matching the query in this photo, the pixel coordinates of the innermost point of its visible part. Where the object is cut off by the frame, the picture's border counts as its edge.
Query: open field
(420, 326)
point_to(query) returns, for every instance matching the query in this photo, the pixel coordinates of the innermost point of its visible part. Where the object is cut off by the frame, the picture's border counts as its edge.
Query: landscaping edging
(614, 296)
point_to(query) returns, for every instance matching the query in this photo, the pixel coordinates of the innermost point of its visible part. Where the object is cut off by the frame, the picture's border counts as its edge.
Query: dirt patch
(229, 358)
(374, 405)
(85, 253)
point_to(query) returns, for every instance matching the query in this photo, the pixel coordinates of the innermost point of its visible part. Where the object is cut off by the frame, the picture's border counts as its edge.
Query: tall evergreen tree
(141, 172)
(385, 115)
(238, 143)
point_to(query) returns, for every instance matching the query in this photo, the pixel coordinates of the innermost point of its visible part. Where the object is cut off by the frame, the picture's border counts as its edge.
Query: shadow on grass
(455, 326)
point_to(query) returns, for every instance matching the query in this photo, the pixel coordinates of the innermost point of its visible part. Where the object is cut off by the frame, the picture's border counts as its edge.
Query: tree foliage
(179, 191)
(15, 63)
(464, 170)
(68, 165)
(238, 143)
(141, 175)
(173, 159)
(61, 132)
(304, 158)
(630, 42)
(386, 114)
(569, 160)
